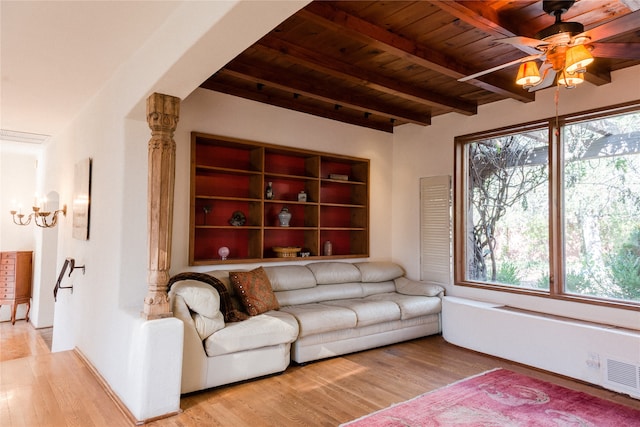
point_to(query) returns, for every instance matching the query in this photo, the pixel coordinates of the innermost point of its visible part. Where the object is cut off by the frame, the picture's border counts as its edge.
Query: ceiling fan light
(577, 58)
(528, 74)
(570, 80)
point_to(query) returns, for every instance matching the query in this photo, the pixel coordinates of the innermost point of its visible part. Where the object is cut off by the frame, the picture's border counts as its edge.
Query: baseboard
(114, 397)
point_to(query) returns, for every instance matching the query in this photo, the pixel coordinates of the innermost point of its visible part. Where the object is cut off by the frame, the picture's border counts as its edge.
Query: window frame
(555, 193)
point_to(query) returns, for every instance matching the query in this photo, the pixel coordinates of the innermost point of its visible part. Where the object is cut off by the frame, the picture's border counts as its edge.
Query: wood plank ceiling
(381, 64)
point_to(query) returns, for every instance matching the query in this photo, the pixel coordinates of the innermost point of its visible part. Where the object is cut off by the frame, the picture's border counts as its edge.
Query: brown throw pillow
(254, 290)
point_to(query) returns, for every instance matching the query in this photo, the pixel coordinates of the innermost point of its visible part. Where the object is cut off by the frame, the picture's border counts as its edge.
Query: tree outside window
(506, 225)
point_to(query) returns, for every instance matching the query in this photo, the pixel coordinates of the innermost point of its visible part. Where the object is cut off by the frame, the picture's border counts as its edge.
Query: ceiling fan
(565, 49)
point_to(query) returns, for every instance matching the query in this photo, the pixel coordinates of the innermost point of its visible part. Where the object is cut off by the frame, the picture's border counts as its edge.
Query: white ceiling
(56, 55)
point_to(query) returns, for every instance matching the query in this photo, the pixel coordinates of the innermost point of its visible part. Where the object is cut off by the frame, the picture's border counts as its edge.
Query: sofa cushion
(369, 288)
(411, 287)
(263, 330)
(379, 271)
(289, 277)
(319, 318)
(410, 306)
(254, 291)
(370, 312)
(320, 293)
(205, 326)
(328, 273)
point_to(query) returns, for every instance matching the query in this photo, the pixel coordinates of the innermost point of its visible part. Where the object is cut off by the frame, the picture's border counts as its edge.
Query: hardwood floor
(39, 388)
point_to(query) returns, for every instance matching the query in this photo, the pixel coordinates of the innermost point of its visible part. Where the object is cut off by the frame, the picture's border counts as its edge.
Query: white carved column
(163, 112)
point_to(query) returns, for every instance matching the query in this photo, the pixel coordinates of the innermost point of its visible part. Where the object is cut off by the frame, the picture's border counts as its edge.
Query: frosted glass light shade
(528, 74)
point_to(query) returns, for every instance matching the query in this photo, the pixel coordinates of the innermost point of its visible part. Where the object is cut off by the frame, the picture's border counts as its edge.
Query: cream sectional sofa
(326, 309)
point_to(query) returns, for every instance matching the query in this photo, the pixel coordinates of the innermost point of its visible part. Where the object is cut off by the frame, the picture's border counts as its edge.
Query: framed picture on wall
(82, 199)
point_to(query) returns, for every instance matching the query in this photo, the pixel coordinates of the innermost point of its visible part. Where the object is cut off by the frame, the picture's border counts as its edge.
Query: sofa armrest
(413, 287)
(201, 306)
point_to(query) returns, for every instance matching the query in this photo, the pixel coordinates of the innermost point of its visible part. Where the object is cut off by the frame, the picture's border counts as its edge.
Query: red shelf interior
(222, 185)
(220, 211)
(298, 218)
(340, 241)
(224, 157)
(207, 243)
(332, 192)
(285, 164)
(337, 168)
(282, 237)
(286, 189)
(343, 217)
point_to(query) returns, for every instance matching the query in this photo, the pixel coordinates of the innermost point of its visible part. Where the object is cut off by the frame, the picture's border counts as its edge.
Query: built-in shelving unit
(230, 175)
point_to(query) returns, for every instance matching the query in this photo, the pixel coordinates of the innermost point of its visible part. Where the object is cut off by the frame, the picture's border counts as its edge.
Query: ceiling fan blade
(523, 41)
(616, 50)
(500, 67)
(621, 25)
(548, 78)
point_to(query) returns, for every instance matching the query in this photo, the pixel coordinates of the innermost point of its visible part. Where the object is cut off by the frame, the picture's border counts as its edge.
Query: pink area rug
(503, 398)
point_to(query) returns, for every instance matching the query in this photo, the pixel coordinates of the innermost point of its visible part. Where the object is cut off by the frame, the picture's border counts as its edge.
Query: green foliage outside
(509, 202)
(625, 267)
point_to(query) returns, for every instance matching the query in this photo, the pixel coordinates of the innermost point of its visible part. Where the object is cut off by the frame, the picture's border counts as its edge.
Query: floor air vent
(623, 376)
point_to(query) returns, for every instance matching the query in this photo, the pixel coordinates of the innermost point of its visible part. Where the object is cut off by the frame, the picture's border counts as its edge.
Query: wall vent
(623, 376)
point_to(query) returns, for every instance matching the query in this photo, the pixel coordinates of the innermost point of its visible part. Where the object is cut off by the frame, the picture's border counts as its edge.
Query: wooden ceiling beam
(597, 75)
(286, 81)
(618, 26)
(483, 17)
(351, 73)
(296, 105)
(486, 18)
(330, 17)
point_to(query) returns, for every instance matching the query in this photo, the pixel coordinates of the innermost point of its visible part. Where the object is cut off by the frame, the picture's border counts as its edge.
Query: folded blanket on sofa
(226, 306)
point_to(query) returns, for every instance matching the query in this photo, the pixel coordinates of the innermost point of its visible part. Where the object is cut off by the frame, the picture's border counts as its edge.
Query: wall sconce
(39, 215)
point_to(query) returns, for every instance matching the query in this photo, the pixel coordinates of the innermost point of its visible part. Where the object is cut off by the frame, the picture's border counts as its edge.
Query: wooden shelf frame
(230, 174)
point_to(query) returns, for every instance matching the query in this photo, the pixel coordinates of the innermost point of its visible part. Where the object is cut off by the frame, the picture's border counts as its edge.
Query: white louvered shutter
(435, 229)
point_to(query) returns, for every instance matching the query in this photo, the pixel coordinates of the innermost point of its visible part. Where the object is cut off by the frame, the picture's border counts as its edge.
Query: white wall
(220, 114)
(428, 151)
(140, 360)
(576, 349)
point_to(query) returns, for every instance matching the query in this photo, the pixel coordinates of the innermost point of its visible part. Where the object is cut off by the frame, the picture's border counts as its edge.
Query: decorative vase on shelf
(284, 217)
(268, 193)
(328, 248)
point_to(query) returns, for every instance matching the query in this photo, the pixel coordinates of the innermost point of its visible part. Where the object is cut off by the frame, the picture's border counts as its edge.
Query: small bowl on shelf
(286, 251)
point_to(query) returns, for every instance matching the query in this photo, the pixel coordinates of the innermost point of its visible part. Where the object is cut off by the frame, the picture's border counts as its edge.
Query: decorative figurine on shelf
(328, 248)
(302, 196)
(237, 219)
(223, 252)
(284, 217)
(206, 210)
(268, 193)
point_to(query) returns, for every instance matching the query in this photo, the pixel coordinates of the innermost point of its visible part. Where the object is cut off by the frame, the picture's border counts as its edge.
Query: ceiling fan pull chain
(556, 100)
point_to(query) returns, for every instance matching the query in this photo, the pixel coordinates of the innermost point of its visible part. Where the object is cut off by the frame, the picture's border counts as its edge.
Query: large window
(552, 208)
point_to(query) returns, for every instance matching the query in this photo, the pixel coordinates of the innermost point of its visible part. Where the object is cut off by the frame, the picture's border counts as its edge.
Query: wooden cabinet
(230, 175)
(15, 280)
